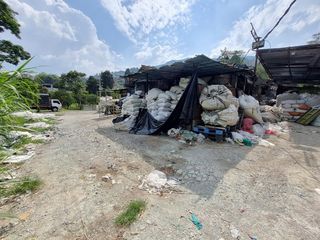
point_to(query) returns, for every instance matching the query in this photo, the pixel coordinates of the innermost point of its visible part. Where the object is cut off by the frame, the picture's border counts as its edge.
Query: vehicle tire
(54, 109)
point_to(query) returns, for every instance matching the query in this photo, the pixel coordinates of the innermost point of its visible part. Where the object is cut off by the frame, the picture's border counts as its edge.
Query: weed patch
(20, 143)
(133, 210)
(23, 186)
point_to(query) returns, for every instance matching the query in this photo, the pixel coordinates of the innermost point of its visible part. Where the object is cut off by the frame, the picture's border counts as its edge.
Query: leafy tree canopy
(231, 57)
(92, 85)
(72, 81)
(10, 52)
(7, 19)
(106, 79)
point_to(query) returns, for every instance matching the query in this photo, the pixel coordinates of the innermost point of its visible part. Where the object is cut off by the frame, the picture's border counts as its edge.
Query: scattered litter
(229, 140)
(106, 178)
(19, 158)
(247, 142)
(174, 132)
(196, 221)
(234, 232)
(157, 182)
(172, 182)
(265, 143)
(237, 137)
(201, 138)
(14, 135)
(247, 125)
(258, 130)
(32, 115)
(156, 179)
(37, 125)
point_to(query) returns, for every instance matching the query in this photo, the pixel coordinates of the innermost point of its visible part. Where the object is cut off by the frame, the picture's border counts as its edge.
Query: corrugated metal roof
(292, 65)
(204, 65)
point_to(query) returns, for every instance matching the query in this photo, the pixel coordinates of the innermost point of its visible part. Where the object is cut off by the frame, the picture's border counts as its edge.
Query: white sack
(216, 97)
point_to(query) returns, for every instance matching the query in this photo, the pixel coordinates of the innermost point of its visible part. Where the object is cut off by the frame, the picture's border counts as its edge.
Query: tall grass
(17, 93)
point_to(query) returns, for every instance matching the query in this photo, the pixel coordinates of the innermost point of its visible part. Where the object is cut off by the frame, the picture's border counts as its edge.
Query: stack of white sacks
(160, 103)
(132, 104)
(294, 105)
(219, 105)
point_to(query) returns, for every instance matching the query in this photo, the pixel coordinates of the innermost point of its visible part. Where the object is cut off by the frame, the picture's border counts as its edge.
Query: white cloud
(61, 38)
(264, 16)
(143, 17)
(156, 54)
(150, 25)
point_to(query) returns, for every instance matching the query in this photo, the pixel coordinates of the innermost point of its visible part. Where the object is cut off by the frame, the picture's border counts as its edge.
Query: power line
(285, 13)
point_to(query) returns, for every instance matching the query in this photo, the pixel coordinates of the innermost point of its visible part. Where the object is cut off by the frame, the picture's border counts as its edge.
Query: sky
(96, 35)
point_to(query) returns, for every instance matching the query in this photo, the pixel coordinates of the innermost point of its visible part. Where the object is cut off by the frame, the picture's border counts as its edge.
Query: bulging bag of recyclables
(251, 107)
(217, 97)
(226, 117)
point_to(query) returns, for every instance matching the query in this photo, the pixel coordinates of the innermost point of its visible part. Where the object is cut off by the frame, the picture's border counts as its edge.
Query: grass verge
(24, 141)
(133, 210)
(23, 186)
(3, 155)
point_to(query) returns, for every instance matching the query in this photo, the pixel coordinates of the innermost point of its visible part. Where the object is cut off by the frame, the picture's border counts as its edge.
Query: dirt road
(262, 192)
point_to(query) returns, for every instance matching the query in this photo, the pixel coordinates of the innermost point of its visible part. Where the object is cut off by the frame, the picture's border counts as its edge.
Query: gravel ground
(236, 192)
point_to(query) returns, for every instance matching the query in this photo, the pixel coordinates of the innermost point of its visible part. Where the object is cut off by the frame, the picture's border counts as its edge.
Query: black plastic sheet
(181, 115)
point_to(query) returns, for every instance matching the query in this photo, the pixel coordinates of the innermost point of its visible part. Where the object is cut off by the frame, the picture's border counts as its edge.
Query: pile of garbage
(220, 106)
(157, 182)
(185, 136)
(294, 105)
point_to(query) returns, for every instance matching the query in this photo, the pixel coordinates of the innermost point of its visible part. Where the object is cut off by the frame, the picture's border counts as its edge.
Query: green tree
(45, 78)
(10, 52)
(231, 57)
(106, 79)
(75, 82)
(92, 85)
(65, 97)
(92, 99)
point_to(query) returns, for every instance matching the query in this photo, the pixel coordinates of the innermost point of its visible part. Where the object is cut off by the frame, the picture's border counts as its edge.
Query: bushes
(92, 99)
(65, 97)
(72, 102)
(74, 106)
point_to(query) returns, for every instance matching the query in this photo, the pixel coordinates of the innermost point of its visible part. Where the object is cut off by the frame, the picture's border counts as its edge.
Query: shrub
(74, 106)
(92, 99)
(65, 97)
(17, 93)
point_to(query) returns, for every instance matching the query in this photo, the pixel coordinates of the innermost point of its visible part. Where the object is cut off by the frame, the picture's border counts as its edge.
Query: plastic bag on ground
(156, 179)
(316, 122)
(258, 130)
(251, 107)
(247, 124)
